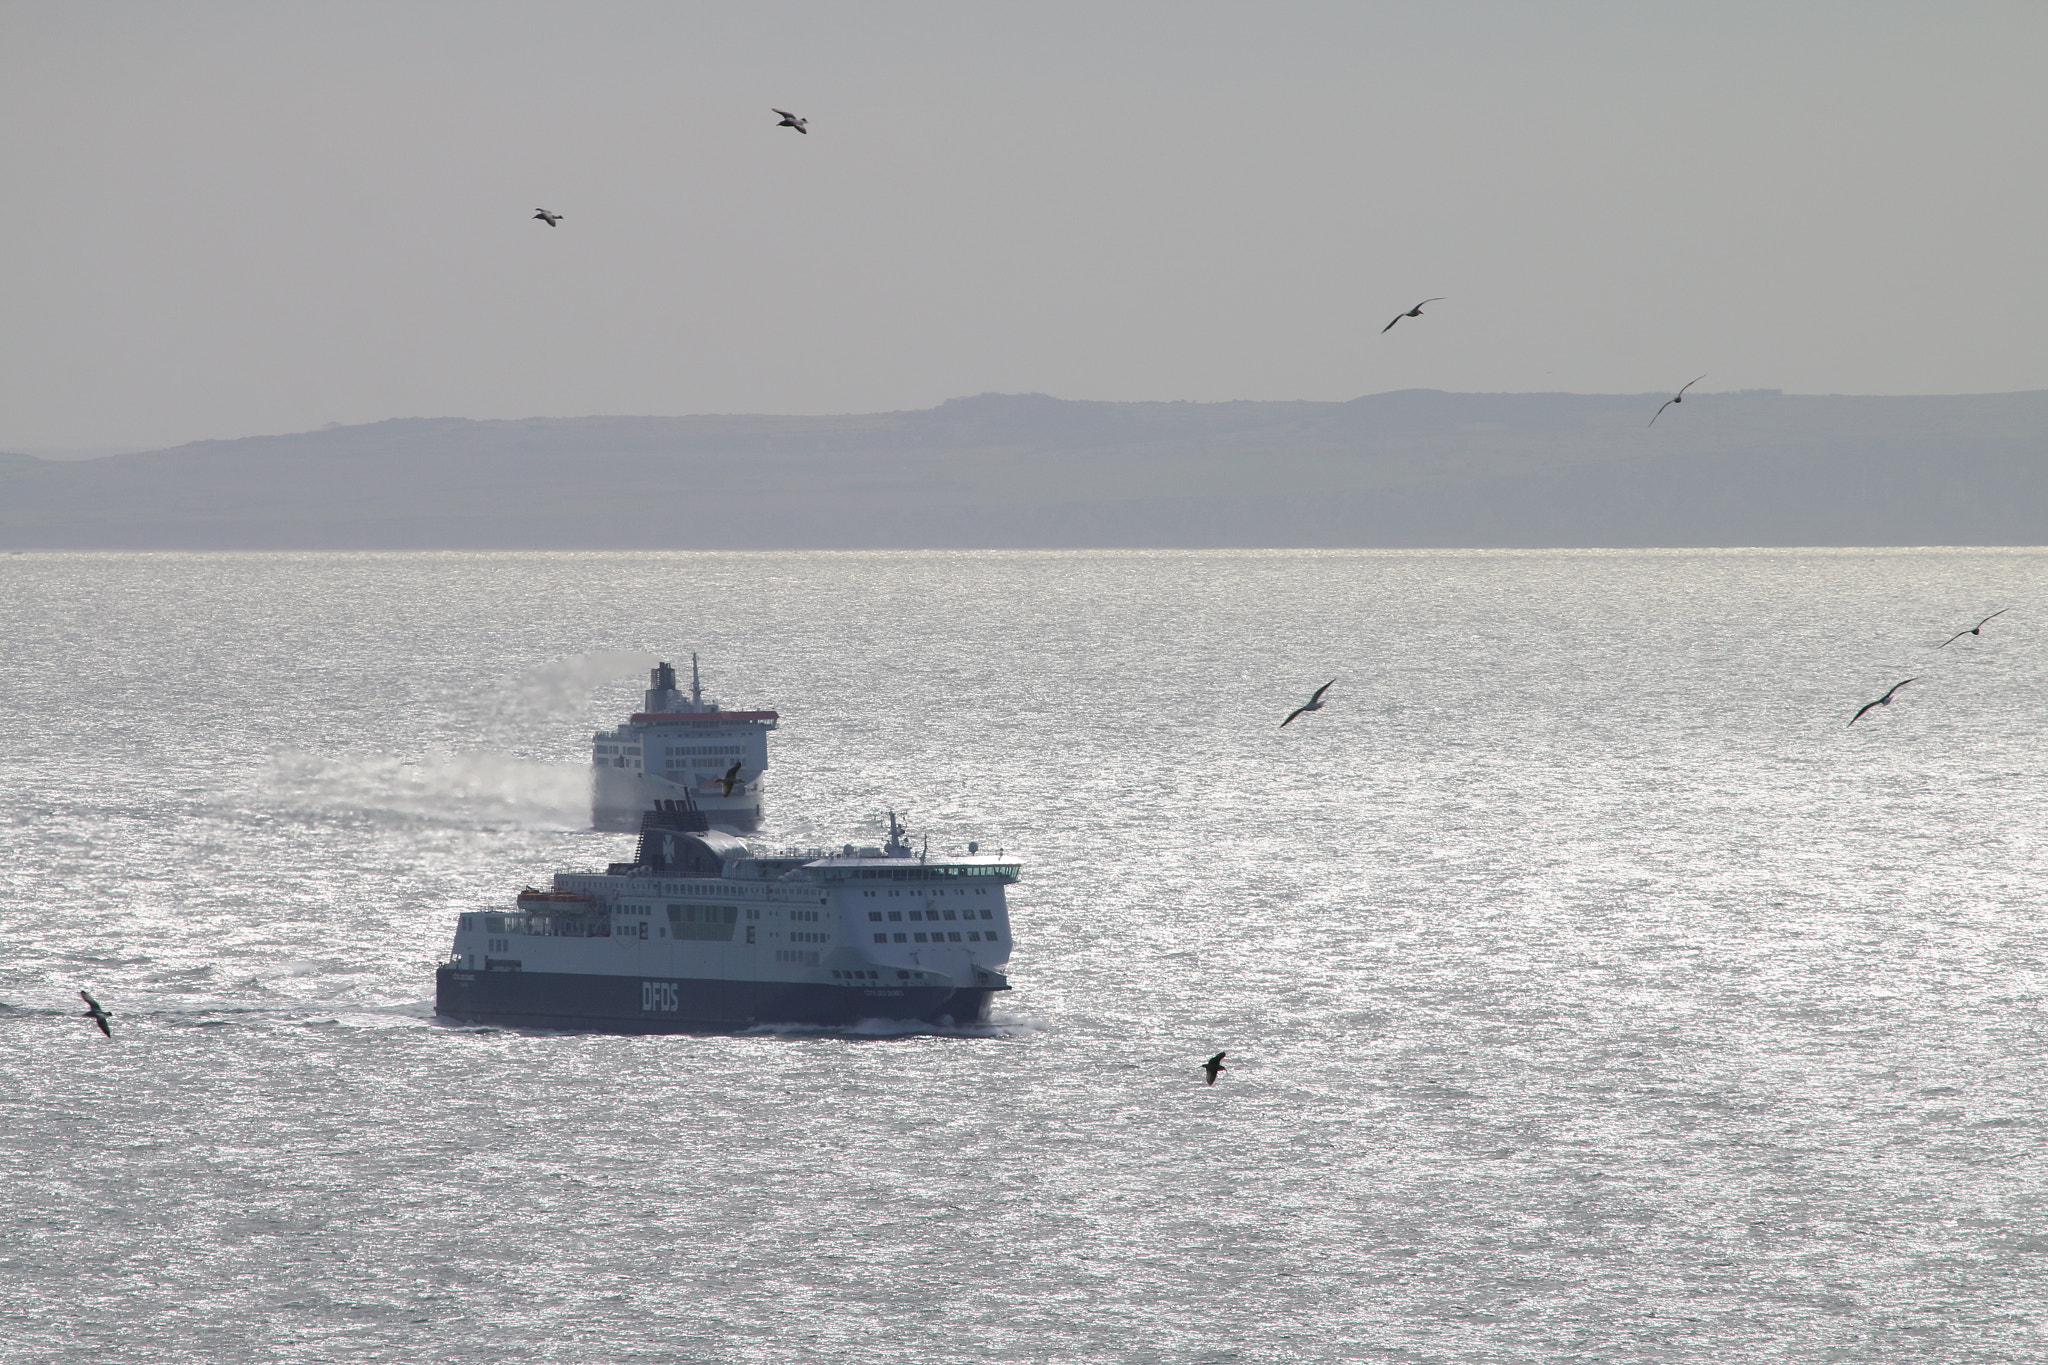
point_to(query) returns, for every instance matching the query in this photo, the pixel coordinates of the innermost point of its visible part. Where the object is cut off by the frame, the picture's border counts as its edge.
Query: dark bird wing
(1959, 635)
(1318, 696)
(1291, 715)
(89, 1000)
(1689, 383)
(1992, 617)
(1885, 700)
(1390, 326)
(1217, 1060)
(732, 774)
(785, 113)
(1660, 411)
(1440, 298)
(103, 1025)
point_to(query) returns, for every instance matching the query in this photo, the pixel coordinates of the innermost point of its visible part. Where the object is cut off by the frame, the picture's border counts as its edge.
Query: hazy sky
(227, 219)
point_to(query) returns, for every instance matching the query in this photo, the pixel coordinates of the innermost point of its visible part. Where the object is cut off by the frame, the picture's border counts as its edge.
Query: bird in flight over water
(1885, 700)
(790, 120)
(1314, 703)
(731, 779)
(95, 1013)
(1214, 1065)
(1977, 629)
(1678, 397)
(549, 218)
(1414, 312)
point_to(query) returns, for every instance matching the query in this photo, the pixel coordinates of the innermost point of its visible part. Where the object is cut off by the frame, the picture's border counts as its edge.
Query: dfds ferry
(680, 749)
(700, 932)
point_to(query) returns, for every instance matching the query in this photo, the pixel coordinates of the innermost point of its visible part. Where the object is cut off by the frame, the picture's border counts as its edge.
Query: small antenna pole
(696, 687)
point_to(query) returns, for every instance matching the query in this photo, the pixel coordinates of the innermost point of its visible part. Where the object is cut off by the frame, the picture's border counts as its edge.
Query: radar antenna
(896, 848)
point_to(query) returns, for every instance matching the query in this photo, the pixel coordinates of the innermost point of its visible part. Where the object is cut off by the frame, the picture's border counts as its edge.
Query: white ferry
(680, 748)
(701, 932)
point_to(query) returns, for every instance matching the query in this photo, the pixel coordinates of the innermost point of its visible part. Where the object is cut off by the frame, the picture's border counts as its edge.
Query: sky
(228, 219)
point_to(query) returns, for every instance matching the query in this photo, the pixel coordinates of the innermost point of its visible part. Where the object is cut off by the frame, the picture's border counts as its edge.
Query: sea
(1592, 988)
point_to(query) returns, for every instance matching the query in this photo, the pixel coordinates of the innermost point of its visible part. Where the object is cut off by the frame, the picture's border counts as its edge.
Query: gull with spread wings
(1885, 700)
(1678, 397)
(1314, 703)
(1414, 312)
(1977, 629)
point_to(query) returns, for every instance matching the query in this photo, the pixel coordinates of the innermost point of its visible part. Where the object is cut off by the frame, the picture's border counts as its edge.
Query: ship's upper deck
(666, 704)
(875, 867)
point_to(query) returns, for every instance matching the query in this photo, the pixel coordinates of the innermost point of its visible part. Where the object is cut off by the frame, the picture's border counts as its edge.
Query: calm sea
(1593, 991)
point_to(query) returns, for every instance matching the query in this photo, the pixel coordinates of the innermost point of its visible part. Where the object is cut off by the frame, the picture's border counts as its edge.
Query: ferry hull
(640, 1004)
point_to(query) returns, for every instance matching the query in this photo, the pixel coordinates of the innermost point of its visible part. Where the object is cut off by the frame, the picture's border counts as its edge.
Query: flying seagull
(1214, 1065)
(731, 779)
(95, 1013)
(790, 120)
(1315, 703)
(1414, 312)
(1885, 700)
(1678, 397)
(549, 218)
(1977, 629)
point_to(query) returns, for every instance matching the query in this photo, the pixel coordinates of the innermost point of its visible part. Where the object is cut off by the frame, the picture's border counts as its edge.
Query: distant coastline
(1416, 468)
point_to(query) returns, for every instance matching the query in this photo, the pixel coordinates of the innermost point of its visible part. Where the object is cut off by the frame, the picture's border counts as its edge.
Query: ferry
(700, 932)
(680, 748)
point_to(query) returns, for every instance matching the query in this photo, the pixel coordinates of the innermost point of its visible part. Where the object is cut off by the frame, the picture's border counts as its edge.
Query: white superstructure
(680, 748)
(701, 931)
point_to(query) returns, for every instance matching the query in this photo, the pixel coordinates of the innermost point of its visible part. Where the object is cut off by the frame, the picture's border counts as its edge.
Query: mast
(696, 686)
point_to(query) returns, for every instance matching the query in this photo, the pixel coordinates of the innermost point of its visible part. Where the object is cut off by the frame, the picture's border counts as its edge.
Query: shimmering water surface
(1592, 990)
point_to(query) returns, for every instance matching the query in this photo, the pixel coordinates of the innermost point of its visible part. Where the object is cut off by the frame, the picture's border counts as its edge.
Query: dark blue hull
(637, 1004)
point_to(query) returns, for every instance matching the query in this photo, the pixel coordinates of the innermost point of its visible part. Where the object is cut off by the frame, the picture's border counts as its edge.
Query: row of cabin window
(979, 891)
(876, 915)
(936, 937)
(928, 874)
(546, 926)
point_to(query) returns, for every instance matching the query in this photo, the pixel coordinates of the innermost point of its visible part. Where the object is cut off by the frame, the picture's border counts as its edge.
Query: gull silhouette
(1977, 629)
(730, 780)
(1214, 1065)
(549, 218)
(1414, 312)
(1885, 700)
(790, 120)
(1678, 397)
(1314, 703)
(95, 1013)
